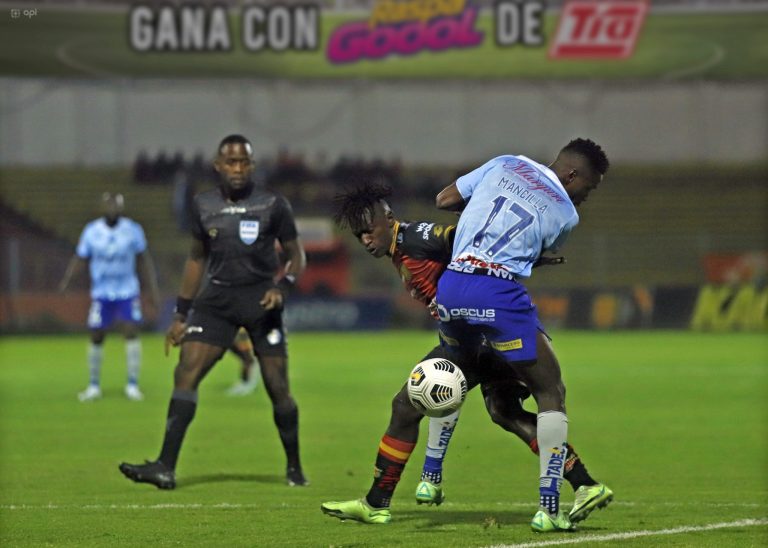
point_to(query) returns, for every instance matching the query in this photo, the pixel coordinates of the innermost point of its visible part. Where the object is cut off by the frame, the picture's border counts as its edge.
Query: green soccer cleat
(358, 510)
(544, 522)
(428, 493)
(589, 497)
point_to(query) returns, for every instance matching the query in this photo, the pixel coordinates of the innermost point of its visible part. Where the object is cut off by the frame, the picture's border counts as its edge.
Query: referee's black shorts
(219, 311)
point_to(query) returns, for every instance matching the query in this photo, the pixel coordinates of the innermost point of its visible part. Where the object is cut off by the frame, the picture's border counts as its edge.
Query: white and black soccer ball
(437, 387)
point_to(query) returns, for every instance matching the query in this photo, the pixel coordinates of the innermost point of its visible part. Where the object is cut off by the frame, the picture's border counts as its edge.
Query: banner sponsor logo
(728, 308)
(598, 29)
(506, 346)
(197, 28)
(406, 28)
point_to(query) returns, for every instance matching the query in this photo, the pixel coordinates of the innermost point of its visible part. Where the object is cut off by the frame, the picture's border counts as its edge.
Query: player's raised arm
(194, 269)
(450, 199)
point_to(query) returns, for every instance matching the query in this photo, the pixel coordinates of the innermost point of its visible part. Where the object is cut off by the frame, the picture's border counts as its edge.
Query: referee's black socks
(287, 422)
(181, 411)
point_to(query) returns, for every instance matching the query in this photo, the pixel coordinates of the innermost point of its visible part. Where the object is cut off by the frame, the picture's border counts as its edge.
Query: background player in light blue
(514, 209)
(113, 246)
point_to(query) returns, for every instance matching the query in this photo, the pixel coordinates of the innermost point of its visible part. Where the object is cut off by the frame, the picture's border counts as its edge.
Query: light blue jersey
(517, 208)
(111, 252)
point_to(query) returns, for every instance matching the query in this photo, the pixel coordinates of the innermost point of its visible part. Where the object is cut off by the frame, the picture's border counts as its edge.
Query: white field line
(162, 506)
(228, 505)
(718, 54)
(64, 56)
(643, 533)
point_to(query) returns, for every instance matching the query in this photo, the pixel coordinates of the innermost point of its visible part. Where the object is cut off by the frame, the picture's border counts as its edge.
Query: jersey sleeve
(439, 245)
(140, 239)
(555, 241)
(286, 225)
(197, 230)
(83, 249)
(466, 184)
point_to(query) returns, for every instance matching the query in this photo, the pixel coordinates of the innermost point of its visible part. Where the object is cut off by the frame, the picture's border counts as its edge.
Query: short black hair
(590, 150)
(235, 138)
(354, 206)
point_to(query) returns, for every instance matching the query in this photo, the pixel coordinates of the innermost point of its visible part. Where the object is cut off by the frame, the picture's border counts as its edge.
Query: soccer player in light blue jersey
(113, 246)
(514, 210)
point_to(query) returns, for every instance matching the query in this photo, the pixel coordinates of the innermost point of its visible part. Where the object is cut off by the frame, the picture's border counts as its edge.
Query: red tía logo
(598, 29)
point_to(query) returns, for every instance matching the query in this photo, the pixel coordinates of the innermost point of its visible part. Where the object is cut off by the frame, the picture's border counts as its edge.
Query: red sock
(390, 461)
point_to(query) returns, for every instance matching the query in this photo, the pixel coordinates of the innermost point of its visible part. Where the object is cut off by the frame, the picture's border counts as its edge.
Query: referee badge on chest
(249, 231)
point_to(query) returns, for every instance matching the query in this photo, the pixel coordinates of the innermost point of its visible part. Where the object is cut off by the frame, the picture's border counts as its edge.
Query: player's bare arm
(146, 267)
(297, 262)
(74, 267)
(450, 199)
(194, 269)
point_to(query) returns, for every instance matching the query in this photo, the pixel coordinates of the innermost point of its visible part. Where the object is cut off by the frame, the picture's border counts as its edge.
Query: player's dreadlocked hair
(355, 207)
(591, 151)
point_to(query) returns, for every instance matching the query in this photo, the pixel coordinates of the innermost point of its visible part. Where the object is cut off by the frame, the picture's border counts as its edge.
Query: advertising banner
(411, 39)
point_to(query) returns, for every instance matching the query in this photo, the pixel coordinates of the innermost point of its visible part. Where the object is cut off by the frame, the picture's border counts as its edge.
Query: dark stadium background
(666, 280)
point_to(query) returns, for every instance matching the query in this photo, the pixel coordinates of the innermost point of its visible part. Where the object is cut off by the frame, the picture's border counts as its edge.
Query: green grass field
(671, 47)
(676, 423)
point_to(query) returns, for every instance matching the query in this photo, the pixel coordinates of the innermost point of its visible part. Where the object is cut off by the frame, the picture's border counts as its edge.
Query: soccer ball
(437, 387)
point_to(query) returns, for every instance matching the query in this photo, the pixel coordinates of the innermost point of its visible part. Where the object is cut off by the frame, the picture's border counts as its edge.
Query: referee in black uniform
(235, 228)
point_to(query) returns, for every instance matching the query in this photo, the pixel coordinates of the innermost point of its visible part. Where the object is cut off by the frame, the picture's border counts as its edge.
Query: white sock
(552, 435)
(440, 433)
(133, 359)
(95, 357)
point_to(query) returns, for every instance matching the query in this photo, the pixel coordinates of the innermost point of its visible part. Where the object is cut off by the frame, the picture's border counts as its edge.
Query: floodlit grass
(87, 44)
(674, 422)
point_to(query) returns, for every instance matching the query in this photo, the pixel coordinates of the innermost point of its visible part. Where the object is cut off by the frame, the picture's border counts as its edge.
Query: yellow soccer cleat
(428, 493)
(544, 522)
(358, 510)
(589, 497)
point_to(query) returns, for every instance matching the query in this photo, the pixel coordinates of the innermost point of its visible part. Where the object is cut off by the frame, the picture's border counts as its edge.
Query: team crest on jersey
(212, 233)
(249, 231)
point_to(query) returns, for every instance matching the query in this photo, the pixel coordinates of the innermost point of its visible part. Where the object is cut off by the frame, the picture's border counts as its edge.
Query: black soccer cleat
(156, 473)
(295, 477)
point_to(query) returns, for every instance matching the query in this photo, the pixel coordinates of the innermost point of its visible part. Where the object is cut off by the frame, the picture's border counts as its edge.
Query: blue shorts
(476, 308)
(104, 313)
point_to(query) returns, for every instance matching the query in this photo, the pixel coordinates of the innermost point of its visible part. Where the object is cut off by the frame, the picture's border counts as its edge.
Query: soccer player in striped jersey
(420, 252)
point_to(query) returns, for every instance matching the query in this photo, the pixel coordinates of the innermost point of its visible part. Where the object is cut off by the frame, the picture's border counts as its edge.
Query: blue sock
(549, 494)
(433, 470)
(440, 433)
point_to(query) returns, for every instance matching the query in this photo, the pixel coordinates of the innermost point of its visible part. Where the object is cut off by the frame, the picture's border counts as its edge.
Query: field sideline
(674, 422)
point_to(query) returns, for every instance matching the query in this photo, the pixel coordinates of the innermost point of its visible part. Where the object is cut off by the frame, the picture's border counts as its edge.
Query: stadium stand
(644, 217)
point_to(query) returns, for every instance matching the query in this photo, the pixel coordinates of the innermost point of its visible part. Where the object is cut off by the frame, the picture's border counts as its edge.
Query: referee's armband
(287, 283)
(182, 306)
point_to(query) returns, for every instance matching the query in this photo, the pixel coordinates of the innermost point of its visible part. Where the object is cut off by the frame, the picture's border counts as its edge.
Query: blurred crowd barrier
(657, 247)
(420, 123)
